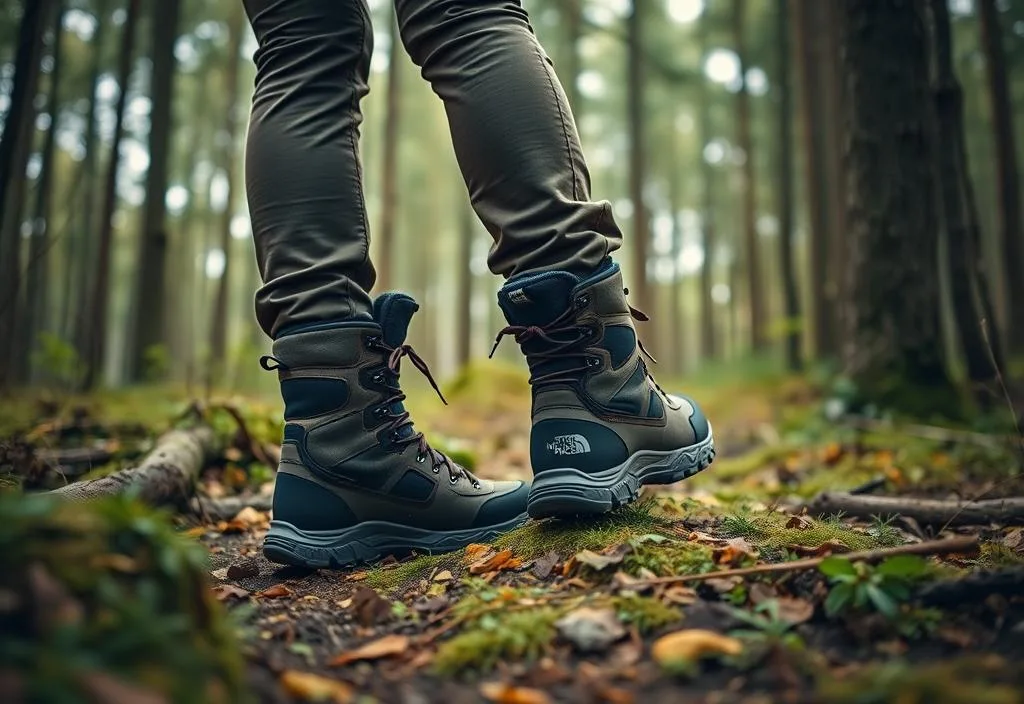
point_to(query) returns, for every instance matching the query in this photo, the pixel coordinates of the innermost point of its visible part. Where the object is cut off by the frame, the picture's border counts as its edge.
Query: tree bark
(464, 293)
(99, 300)
(166, 476)
(893, 343)
(744, 138)
(821, 316)
(228, 165)
(791, 299)
(150, 287)
(389, 168)
(15, 147)
(638, 283)
(39, 260)
(1011, 234)
(708, 342)
(925, 511)
(956, 209)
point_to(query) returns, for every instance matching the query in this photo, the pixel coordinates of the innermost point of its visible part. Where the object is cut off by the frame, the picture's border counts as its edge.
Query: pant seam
(354, 109)
(561, 119)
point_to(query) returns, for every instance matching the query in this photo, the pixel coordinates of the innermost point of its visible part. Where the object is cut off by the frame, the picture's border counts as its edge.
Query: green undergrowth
(992, 555)
(778, 531)
(978, 680)
(531, 541)
(108, 589)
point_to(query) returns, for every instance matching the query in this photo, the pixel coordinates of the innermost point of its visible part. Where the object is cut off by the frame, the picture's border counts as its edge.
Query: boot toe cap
(698, 421)
(508, 502)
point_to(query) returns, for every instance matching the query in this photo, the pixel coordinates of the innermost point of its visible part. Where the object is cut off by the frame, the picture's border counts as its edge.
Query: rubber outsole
(567, 492)
(366, 542)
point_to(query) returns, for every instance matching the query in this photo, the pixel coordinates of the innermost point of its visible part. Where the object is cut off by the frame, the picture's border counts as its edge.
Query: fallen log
(924, 511)
(973, 587)
(165, 476)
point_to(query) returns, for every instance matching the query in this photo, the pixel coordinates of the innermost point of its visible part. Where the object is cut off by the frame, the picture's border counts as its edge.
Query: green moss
(769, 530)
(387, 578)
(998, 555)
(976, 680)
(645, 613)
(509, 636)
(672, 557)
(125, 595)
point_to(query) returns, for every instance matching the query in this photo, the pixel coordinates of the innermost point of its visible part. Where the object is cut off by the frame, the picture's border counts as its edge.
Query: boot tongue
(393, 311)
(537, 299)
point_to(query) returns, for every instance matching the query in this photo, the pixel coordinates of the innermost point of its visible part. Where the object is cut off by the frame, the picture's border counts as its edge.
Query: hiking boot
(356, 480)
(602, 427)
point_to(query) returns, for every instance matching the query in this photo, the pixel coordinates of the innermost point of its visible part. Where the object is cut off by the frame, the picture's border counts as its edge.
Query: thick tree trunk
(956, 208)
(39, 260)
(228, 165)
(708, 343)
(791, 299)
(893, 345)
(751, 246)
(166, 476)
(389, 167)
(638, 285)
(99, 300)
(1011, 234)
(15, 146)
(150, 287)
(828, 17)
(821, 315)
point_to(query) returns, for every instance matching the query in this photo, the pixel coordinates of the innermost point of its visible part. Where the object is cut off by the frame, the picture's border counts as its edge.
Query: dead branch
(226, 508)
(74, 456)
(934, 432)
(973, 587)
(965, 544)
(925, 511)
(255, 447)
(165, 476)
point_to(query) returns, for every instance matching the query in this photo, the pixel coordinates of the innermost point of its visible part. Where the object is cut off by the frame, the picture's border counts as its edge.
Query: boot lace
(564, 337)
(424, 451)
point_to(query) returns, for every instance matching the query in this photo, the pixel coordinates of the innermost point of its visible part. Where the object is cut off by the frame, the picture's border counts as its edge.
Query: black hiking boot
(356, 480)
(602, 427)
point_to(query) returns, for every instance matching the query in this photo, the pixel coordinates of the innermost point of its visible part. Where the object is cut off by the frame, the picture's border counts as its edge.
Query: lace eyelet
(593, 362)
(453, 479)
(420, 458)
(380, 412)
(395, 436)
(377, 378)
(435, 469)
(476, 485)
(373, 342)
(583, 301)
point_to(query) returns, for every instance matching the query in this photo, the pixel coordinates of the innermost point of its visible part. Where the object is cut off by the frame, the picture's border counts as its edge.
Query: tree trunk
(674, 347)
(389, 169)
(828, 17)
(81, 252)
(228, 165)
(751, 246)
(638, 164)
(166, 476)
(96, 334)
(150, 287)
(893, 349)
(15, 146)
(573, 33)
(960, 219)
(464, 293)
(708, 345)
(39, 260)
(821, 316)
(1007, 175)
(791, 299)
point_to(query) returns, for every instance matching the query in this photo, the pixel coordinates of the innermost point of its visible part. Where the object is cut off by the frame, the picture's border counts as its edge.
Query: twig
(927, 511)
(936, 547)
(256, 448)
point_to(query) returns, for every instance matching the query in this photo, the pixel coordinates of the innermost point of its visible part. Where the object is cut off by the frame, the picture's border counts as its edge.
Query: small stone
(591, 630)
(244, 569)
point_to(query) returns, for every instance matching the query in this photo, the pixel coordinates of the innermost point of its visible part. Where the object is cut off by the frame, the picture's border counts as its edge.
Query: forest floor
(719, 589)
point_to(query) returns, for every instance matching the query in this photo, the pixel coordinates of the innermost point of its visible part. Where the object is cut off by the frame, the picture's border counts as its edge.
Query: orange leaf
(387, 646)
(507, 694)
(832, 547)
(832, 453)
(223, 592)
(475, 551)
(314, 688)
(275, 592)
(495, 562)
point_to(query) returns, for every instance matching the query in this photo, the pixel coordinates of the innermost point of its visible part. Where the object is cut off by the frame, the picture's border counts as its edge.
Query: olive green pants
(511, 126)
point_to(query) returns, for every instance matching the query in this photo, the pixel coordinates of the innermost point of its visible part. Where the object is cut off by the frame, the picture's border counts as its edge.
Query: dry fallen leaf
(475, 551)
(735, 552)
(831, 547)
(493, 563)
(250, 517)
(680, 595)
(223, 592)
(590, 630)
(832, 453)
(275, 592)
(357, 576)
(795, 611)
(692, 645)
(443, 576)
(605, 559)
(507, 694)
(799, 522)
(723, 585)
(1015, 540)
(544, 565)
(370, 607)
(314, 688)
(385, 647)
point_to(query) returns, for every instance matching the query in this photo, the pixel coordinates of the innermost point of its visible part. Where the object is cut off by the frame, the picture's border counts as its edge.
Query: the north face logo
(569, 445)
(519, 297)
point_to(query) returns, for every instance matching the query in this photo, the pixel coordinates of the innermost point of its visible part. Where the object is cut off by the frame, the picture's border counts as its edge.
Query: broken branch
(926, 511)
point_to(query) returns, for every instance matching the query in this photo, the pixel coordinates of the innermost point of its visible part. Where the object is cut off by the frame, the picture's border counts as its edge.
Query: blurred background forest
(733, 137)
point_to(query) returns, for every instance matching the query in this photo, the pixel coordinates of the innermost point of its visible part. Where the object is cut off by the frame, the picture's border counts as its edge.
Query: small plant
(766, 626)
(860, 586)
(58, 361)
(645, 613)
(509, 636)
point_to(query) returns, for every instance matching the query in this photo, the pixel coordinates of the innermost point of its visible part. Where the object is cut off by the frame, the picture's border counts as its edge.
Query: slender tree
(464, 290)
(893, 349)
(1011, 234)
(744, 138)
(150, 287)
(228, 166)
(14, 152)
(573, 11)
(96, 345)
(709, 347)
(637, 158)
(389, 169)
(791, 300)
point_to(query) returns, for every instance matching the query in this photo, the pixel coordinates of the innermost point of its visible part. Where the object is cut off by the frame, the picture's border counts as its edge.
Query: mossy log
(165, 476)
(925, 511)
